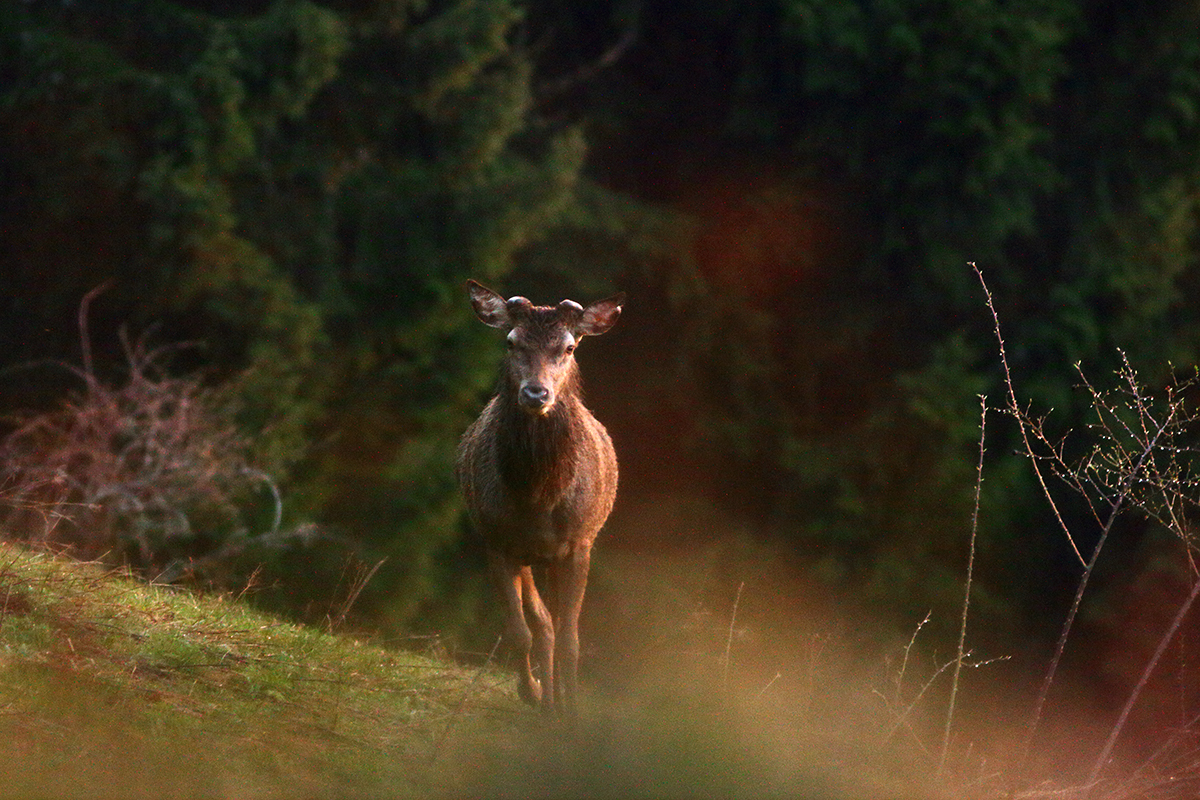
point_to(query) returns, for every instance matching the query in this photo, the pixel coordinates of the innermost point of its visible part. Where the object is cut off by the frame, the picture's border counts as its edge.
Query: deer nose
(535, 396)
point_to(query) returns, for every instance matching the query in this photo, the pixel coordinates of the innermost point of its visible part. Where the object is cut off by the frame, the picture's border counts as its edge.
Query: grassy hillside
(112, 688)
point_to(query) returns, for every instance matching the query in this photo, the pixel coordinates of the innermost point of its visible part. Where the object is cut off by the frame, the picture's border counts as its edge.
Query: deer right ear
(489, 306)
(601, 315)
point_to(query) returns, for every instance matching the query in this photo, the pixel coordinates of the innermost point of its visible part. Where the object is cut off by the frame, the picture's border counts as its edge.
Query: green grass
(110, 687)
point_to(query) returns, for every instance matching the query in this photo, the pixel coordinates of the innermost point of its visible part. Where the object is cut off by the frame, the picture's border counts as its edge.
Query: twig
(585, 73)
(962, 631)
(1163, 643)
(1020, 416)
(85, 341)
(1118, 503)
(1124, 470)
(902, 717)
(770, 683)
(1024, 424)
(907, 649)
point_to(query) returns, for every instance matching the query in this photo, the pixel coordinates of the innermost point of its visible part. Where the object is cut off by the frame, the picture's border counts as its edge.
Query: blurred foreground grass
(113, 688)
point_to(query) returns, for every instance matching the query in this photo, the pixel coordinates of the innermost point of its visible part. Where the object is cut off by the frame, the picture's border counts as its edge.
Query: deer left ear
(489, 306)
(601, 315)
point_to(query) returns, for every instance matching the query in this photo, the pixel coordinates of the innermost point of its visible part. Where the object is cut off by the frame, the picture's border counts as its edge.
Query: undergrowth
(151, 471)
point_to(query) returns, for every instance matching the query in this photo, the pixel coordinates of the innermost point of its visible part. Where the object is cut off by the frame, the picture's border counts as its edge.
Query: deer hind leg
(570, 576)
(509, 579)
(543, 636)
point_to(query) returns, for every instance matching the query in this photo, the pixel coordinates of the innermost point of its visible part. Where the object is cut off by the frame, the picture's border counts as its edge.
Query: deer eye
(570, 349)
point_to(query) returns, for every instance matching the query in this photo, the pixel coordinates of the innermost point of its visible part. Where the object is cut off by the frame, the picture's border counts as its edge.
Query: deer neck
(537, 453)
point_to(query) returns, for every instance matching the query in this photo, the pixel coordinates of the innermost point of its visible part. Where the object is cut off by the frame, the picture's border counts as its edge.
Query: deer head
(540, 365)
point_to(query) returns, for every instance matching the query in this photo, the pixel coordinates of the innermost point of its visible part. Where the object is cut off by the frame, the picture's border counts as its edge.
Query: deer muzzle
(535, 398)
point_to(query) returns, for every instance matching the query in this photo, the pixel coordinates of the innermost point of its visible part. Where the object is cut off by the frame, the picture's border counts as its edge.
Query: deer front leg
(543, 637)
(570, 576)
(508, 577)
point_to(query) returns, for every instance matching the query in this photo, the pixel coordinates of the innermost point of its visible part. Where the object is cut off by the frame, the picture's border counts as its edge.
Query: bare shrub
(1139, 454)
(152, 473)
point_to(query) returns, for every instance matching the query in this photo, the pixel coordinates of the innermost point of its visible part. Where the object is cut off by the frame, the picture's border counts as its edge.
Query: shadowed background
(288, 196)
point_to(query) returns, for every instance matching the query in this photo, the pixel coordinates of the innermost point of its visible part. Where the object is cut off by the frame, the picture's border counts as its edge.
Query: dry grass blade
(467, 694)
(729, 638)
(360, 582)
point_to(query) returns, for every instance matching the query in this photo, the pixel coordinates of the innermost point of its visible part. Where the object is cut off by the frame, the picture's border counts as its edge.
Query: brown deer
(539, 476)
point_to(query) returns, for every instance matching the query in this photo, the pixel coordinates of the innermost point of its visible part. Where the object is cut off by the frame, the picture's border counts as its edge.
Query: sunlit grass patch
(109, 686)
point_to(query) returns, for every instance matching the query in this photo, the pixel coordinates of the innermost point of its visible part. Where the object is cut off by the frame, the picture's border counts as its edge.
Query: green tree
(302, 188)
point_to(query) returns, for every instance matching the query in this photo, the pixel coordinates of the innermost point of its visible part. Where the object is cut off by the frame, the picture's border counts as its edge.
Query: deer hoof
(530, 691)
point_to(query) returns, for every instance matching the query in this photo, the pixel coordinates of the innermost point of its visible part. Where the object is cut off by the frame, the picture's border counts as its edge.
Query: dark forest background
(285, 199)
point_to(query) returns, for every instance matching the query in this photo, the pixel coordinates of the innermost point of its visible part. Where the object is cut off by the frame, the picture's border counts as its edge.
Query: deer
(538, 475)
